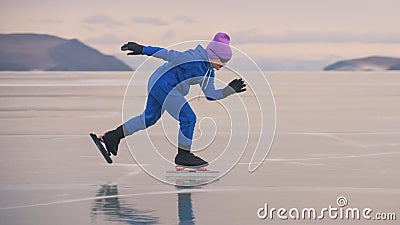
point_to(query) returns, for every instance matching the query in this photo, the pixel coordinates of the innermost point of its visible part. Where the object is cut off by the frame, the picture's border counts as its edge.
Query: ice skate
(187, 160)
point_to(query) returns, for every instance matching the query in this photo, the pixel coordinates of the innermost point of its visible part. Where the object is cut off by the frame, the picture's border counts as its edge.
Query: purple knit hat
(219, 47)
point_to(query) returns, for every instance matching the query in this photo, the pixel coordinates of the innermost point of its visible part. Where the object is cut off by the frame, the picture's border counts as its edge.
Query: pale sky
(285, 34)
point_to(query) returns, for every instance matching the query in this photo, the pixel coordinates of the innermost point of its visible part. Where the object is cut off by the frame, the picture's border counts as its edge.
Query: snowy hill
(372, 63)
(21, 52)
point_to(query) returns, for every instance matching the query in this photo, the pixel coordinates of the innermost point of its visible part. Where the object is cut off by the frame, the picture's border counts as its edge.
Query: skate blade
(188, 168)
(101, 147)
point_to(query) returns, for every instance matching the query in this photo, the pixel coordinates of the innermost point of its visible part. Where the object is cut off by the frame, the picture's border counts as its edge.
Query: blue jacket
(183, 69)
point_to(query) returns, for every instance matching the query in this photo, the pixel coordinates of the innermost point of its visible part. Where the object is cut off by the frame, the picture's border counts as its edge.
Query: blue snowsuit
(168, 85)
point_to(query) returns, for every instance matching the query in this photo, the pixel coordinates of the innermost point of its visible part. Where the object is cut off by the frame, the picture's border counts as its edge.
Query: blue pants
(163, 97)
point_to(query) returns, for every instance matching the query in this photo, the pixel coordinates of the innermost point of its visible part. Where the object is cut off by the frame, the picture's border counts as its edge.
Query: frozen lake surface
(338, 134)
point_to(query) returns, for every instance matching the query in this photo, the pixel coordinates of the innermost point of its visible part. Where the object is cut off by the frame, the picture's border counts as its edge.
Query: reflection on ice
(116, 210)
(108, 206)
(185, 209)
(190, 178)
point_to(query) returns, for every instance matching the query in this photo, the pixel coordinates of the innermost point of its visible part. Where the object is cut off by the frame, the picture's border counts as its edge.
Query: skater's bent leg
(177, 106)
(149, 117)
(187, 122)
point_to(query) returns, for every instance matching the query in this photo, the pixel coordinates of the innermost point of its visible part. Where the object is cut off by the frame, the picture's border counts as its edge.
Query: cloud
(102, 20)
(50, 21)
(150, 20)
(254, 36)
(156, 21)
(184, 19)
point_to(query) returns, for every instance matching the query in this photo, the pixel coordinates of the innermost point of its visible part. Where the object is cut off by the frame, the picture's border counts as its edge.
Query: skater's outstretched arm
(208, 88)
(212, 94)
(161, 53)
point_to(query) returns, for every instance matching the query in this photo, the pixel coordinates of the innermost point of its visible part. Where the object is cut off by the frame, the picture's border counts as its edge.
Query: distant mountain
(21, 52)
(372, 63)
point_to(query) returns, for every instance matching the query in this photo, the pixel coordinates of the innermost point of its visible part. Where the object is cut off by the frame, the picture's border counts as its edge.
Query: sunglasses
(220, 59)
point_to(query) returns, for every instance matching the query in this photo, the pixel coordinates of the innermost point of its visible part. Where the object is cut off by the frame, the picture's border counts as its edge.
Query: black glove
(235, 86)
(134, 47)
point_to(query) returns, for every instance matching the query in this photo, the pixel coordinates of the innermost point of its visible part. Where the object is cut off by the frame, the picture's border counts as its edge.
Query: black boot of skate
(186, 158)
(112, 138)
